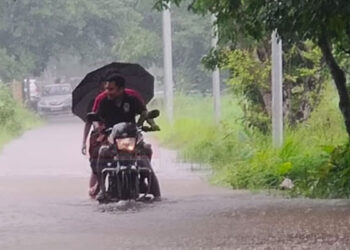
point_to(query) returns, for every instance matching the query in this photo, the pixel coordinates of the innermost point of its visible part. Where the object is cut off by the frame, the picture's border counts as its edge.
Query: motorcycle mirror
(153, 114)
(93, 117)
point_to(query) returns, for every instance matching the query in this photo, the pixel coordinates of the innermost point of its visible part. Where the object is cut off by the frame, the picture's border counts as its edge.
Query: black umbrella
(136, 78)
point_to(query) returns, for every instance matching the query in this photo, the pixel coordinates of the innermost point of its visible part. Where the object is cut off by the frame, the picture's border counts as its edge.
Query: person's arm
(143, 117)
(85, 136)
(141, 110)
(88, 124)
(153, 124)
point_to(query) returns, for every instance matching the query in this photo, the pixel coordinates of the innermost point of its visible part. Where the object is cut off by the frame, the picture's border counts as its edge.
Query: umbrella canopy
(136, 78)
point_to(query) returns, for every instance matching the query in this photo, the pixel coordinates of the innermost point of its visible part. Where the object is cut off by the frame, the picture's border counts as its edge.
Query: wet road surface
(44, 205)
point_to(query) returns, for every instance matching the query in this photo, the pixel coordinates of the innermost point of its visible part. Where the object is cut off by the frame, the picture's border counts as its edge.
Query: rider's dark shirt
(112, 114)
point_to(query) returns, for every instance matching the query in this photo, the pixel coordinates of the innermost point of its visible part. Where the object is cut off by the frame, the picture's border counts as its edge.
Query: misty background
(50, 40)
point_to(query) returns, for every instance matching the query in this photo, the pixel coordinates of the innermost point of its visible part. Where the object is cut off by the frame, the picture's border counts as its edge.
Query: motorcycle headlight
(127, 144)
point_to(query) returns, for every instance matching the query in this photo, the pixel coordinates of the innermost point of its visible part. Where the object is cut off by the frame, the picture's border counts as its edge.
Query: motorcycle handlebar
(107, 131)
(148, 129)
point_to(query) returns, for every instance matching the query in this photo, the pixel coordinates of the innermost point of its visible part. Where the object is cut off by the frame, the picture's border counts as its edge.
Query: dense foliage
(33, 33)
(14, 118)
(315, 156)
(250, 78)
(326, 23)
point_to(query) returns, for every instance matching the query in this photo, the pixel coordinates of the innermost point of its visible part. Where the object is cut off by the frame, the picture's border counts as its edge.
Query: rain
(174, 124)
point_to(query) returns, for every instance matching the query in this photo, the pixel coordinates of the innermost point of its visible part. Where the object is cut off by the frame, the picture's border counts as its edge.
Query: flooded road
(44, 205)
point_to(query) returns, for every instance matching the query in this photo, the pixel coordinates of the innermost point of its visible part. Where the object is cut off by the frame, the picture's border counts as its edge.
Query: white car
(55, 98)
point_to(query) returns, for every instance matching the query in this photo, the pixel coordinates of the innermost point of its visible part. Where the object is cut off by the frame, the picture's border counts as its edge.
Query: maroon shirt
(102, 95)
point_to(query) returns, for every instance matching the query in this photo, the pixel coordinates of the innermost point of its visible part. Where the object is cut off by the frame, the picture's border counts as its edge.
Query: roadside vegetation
(316, 98)
(316, 49)
(14, 118)
(315, 155)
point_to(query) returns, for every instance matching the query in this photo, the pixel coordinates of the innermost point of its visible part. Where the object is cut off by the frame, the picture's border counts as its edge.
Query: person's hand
(155, 127)
(83, 149)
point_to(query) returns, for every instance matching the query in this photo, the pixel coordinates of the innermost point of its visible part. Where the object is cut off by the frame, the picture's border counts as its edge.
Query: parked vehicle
(55, 99)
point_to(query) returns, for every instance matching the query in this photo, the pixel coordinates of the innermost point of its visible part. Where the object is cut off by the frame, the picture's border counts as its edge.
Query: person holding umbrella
(95, 141)
(92, 88)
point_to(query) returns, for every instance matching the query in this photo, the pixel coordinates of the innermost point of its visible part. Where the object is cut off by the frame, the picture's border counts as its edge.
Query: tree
(326, 23)
(250, 80)
(191, 40)
(32, 32)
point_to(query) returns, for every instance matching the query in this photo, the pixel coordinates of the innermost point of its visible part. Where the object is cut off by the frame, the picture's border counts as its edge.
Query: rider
(121, 107)
(97, 139)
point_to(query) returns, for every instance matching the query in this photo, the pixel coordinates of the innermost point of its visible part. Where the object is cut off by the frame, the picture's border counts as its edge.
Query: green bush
(313, 155)
(14, 118)
(331, 177)
(7, 105)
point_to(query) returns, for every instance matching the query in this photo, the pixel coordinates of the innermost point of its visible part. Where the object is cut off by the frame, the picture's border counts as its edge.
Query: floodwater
(44, 205)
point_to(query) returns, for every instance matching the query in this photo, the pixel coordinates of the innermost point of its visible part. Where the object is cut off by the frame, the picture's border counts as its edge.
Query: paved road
(44, 205)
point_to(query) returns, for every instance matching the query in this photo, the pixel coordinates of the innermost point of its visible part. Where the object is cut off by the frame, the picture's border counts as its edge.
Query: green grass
(313, 154)
(15, 119)
(24, 120)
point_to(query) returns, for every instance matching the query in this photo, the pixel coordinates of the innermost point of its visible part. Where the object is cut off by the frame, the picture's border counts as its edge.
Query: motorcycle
(128, 175)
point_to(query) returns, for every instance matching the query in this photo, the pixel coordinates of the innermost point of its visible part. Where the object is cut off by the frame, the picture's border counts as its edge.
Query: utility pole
(168, 65)
(216, 74)
(277, 90)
